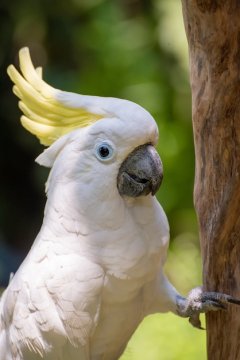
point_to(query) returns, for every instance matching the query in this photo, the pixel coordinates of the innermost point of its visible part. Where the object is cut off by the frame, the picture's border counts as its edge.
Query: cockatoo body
(95, 269)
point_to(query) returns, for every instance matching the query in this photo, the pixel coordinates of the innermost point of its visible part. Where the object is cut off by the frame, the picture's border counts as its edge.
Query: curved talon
(233, 300)
(215, 305)
(219, 297)
(198, 302)
(196, 322)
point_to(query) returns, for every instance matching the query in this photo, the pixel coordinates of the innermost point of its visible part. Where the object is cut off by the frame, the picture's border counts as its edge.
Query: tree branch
(213, 33)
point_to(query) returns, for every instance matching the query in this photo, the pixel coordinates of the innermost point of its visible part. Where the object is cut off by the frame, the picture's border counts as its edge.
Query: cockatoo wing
(61, 309)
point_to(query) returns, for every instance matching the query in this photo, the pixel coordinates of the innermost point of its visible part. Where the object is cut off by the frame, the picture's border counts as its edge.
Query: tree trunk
(213, 33)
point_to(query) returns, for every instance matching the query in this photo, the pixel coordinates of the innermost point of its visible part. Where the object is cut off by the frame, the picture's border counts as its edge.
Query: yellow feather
(39, 71)
(32, 76)
(44, 116)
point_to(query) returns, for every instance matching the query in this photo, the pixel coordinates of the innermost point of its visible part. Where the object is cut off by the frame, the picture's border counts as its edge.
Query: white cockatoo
(95, 269)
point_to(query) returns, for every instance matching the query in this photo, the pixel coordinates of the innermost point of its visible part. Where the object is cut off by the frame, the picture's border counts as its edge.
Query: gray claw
(198, 302)
(211, 305)
(233, 300)
(219, 297)
(196, 322)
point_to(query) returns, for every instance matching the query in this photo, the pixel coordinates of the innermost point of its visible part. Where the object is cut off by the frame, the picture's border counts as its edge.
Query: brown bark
(213, 33)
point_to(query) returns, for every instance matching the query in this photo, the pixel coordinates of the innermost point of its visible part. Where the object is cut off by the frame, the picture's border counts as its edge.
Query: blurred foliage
(134, 49)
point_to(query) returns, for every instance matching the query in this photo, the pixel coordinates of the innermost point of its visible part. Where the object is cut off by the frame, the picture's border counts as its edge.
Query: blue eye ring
(104, 151)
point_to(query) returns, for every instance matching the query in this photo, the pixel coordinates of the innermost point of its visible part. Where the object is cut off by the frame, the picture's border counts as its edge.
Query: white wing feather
(50, 316)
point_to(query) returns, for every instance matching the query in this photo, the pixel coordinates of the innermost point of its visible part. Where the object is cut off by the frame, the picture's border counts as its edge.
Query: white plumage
(95, 268)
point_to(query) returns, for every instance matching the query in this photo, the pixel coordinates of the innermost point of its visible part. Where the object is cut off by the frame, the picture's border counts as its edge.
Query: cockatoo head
(106, 142)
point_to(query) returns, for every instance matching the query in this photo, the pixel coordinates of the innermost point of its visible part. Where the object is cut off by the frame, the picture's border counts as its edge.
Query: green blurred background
(133, 49)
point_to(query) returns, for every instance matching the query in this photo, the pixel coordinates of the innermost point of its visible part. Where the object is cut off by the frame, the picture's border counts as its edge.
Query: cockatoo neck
(74, 209)
(71, 211)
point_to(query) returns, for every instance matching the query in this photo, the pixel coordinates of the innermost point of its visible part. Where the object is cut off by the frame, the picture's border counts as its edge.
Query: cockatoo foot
(198, 302)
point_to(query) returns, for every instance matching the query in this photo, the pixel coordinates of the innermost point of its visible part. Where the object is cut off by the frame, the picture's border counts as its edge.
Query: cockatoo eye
(104, 151)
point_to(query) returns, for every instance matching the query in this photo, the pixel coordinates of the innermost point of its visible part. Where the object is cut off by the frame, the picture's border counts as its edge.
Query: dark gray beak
(141, 173)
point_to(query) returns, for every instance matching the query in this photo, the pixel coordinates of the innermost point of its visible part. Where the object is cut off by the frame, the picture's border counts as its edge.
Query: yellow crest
(44, 114)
